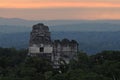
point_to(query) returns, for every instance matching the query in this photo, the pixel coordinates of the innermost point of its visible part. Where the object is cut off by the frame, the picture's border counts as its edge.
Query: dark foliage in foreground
(16, 65)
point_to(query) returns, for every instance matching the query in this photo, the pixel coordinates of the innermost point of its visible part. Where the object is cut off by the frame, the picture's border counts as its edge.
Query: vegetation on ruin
(16, 65)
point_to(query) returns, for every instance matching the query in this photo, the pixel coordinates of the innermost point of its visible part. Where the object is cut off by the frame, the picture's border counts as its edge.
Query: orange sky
(57, 4)
(92, 8)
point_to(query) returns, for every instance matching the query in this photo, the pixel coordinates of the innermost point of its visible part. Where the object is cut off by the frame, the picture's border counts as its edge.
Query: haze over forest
(62, 25)
(93, 36)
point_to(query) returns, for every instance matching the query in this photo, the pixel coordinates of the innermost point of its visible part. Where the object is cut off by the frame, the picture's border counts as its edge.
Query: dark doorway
(41, 49)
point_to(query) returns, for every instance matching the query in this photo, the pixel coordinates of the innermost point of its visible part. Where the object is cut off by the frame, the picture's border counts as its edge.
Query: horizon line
(59, 19)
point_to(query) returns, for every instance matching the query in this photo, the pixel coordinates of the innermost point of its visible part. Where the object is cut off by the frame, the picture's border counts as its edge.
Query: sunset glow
(78, 9)
(59, 5)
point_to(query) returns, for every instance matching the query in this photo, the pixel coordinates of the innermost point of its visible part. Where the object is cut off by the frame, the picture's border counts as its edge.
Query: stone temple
(41, 45)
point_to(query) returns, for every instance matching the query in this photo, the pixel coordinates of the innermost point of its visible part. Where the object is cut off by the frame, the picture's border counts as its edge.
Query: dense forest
(16, 65)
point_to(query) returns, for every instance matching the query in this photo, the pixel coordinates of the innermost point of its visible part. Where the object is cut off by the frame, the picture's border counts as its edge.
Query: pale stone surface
(42, 45)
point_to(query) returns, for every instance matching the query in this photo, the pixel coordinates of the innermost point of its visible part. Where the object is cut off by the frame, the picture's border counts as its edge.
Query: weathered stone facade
(40, 42)
(41, 45)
